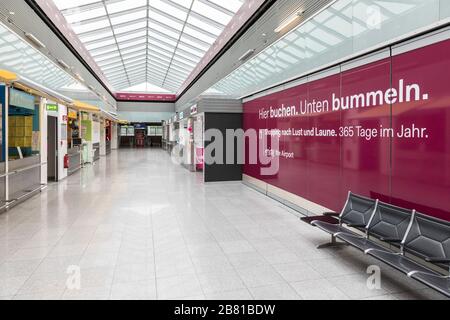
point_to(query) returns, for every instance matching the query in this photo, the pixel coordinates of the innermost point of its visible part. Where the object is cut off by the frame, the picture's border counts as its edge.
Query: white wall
(102, 138)
(62, 147)
(145, 111)
(44, 152)
(114, 137)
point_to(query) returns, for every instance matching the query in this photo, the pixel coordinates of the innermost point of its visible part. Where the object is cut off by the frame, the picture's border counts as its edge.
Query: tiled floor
(140, 227)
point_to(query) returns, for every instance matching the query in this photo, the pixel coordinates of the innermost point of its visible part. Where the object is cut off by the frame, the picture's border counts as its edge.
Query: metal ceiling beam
(111, 25)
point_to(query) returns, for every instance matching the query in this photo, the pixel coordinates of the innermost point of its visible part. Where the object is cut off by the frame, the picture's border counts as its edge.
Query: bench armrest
(331, 214)
(356, 225)
(437, 260)
(391, 240)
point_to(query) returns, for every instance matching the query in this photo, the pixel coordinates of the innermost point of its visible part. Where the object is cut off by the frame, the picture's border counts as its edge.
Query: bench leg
(331, 244)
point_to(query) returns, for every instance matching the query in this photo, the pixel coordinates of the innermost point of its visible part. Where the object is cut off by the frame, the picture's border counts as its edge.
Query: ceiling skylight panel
(159, 53)
(107, 56)
(156, 27)
(195, 42)
(118, 6)
(197, 52)
(130, 60)
(113, 68)
(209, 11)
(108, 62)
(181, 66)
(196, 34)
(167, 20)
(192, 59)
(100, 44)
(205, 25)
(184, 3)
(130, 37)
(134, 43)
(67, 4)
(163, 38)
(185, 61)
(158, 58)
(163, 45)
(118, 29)
(133, 50)
(73, 17)
(188, 52)
(104, 50)
(182, 73)
(81, 28)
(89, 38)
(128, 17)
(230, 5)
(164, 6)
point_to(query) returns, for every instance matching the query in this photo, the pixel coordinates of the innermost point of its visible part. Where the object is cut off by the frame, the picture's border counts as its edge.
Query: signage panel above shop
(21, 99)
(146, 97)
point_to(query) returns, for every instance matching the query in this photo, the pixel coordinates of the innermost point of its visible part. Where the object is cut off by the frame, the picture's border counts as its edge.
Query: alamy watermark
(235, 147)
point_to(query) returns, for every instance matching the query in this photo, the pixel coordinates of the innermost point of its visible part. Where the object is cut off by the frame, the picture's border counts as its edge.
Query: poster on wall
(380, 130)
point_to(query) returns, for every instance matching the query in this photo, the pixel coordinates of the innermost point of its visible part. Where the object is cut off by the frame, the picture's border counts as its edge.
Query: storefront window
(73, 129)
(23, 125)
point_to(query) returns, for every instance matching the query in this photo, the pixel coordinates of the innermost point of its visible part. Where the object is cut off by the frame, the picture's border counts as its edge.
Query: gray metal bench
(427, 238)
(356, 213)
(416, 241)
(388, 224)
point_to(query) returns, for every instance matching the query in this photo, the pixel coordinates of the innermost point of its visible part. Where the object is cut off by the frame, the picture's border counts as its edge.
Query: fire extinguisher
(66, 161)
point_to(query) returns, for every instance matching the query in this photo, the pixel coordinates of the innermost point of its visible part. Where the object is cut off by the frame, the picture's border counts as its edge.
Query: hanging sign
(194, 109)
(52, 107)
(21, 99)
(72, 114)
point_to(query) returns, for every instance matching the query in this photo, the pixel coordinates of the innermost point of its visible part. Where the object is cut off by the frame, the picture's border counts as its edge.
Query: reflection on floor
(137, 226)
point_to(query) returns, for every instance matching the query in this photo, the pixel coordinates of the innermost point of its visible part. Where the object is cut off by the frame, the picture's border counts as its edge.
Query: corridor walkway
(137, 226)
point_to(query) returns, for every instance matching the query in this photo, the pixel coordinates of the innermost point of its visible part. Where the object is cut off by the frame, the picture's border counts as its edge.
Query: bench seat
(398, 261)
(331, 228)
(434, 281)
(360, 242)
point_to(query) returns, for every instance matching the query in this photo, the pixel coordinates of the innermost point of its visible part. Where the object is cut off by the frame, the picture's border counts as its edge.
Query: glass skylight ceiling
(345, 28)
(148, 41)
(18, 56)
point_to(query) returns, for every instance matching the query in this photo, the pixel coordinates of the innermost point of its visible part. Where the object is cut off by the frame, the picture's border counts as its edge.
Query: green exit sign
(52, 107)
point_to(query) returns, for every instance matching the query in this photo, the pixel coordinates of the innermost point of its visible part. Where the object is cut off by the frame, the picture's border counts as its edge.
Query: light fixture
(35, 40)
(63, 64)
(11, 13)
(289, 21)
(246, 55)
(79, 77)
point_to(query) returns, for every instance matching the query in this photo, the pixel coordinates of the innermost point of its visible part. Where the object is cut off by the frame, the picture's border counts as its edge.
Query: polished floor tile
(137, 226)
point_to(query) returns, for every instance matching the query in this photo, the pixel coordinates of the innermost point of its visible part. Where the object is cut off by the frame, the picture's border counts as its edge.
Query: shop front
(24, 137)
(74, 141)
(190, 147)
(23, 152)
(108, 136)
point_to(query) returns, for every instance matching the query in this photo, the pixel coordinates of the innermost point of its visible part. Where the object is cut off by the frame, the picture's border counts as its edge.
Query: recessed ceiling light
(289, 21)
(35, 40)
(12, 13)
(246, 55)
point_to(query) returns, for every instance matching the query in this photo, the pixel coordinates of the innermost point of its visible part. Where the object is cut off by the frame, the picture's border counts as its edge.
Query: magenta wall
(410, 172)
